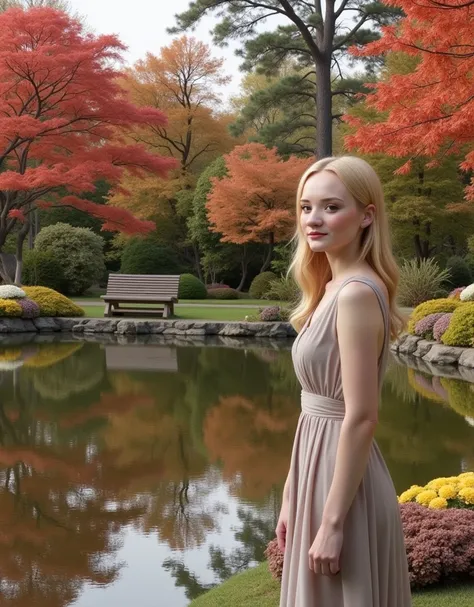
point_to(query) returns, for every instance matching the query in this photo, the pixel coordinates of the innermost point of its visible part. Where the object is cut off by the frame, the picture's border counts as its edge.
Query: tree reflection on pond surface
(150, 472)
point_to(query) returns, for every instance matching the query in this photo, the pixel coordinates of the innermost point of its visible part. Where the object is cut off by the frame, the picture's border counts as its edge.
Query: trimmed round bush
(260, 284)
(10, 308)
(441, 325)
(467, 294)
(43, 269)
(190, 287)
(431, 307)
(460, 273)
(461, 328)
(80, 252)
(424, 327)
(225, 293)
(52, 303)
(29, 307)
(144, 256)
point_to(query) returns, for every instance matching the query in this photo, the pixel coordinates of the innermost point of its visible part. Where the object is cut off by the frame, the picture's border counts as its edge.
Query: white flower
(468, 293)
(11, 292)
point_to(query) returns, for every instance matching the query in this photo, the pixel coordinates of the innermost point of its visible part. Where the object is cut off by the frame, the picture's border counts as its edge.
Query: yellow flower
(467, 481)
(425, 497)
(447, 491)
(410, 494)
(438, 503)
(467, 495)
(466, 475)
(436, 483)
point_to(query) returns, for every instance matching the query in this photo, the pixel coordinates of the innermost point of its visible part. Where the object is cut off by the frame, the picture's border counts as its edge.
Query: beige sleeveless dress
(374, 569)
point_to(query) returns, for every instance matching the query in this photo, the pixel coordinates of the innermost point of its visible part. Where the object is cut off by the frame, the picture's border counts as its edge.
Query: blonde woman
(339, 526)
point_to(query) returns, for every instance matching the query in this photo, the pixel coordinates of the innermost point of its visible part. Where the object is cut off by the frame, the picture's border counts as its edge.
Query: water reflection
(149, 472)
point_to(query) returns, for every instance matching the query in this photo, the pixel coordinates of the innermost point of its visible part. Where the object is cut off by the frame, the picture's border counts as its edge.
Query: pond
(145, 473)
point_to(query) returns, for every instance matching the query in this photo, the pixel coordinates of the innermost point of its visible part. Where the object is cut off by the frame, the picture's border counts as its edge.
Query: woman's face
(331, 219)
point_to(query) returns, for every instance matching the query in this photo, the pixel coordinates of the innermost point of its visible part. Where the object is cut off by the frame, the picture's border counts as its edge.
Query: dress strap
(383, 306)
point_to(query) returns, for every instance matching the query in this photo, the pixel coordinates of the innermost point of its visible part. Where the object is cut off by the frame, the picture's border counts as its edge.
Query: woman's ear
(369, 215)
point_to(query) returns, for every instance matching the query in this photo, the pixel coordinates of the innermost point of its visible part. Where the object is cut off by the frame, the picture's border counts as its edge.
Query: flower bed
(438, 538)
(32, 302)
(443, 492)
(449, 321)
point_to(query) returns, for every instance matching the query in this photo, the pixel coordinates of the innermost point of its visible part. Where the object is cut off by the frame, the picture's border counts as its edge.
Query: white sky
(141, 26)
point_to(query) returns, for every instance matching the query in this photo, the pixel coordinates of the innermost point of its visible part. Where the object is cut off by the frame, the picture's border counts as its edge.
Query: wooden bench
(141, 289)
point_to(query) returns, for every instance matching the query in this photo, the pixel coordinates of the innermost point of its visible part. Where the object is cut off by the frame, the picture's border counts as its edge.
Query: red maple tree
(63, 120)
(256, 201)
(429, 111)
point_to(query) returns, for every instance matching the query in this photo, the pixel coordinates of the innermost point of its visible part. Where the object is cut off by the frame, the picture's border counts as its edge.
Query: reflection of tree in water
(257, 528)
(58, 530)
(252, 439)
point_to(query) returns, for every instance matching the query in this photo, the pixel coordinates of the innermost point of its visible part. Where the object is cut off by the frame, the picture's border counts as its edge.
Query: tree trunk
(244, 262)
(22, 234)
(323, 108)
(268, 257)
(197, 261)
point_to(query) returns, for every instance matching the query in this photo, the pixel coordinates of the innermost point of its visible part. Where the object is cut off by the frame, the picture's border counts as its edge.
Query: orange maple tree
(256, 201)
(63, 117)
(429, 111)
(183, 81)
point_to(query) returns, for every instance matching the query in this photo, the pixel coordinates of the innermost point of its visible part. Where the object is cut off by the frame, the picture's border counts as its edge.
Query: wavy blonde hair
(311, 270)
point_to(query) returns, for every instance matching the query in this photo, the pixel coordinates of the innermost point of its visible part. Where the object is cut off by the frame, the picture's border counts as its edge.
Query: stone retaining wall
(433, 352)
(145, 327)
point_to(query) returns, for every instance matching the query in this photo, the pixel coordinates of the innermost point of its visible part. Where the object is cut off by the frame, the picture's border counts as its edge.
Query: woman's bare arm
(360, 328)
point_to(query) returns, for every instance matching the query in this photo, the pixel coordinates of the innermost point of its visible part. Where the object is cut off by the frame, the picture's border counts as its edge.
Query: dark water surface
(143, 474)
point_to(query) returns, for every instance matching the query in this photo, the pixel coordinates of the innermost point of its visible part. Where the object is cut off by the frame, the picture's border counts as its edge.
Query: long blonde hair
(311, 270)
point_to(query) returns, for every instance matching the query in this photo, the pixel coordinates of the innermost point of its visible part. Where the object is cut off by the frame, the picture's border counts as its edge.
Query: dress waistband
(322, 406)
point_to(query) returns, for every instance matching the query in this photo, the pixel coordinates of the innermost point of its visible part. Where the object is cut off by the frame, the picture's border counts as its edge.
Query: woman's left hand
(325, 552)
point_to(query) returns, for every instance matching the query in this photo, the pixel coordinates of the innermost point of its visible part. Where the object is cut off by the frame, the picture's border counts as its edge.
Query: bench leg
(108, 309)
(166, 310)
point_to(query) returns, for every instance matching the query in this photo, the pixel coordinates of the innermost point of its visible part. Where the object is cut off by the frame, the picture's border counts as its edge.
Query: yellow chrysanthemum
(407, 496)
(438, 503)
(436, 483)
(425, 497)
(467, 495)
(466, 475)
(467, 481)
(449, 492)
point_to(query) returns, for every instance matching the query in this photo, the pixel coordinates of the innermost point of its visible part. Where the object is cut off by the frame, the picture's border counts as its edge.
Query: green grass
(256, 588)
(211, 302)
(186, 313)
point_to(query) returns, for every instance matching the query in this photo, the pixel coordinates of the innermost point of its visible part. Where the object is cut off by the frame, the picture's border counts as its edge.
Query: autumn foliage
(182, 81)
(429, 111)
(63, 117)
(256, 201)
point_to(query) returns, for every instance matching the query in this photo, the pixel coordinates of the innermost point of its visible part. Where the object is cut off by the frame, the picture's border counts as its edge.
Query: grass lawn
(211, 302)
(186, 313)
(256, 588)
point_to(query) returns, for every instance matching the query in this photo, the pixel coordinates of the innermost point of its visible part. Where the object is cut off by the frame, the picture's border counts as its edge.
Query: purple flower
(270, 314)
(30, 308)
(441, 325)
(424, 327)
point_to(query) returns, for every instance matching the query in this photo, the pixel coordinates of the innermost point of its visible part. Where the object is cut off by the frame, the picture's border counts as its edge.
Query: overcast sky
(141, 25)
